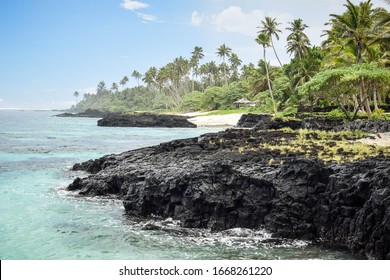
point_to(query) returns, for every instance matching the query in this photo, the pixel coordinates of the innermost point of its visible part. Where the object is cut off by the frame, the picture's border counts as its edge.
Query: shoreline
(237, 178)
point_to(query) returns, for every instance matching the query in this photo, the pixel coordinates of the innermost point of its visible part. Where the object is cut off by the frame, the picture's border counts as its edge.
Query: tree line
(349, 69)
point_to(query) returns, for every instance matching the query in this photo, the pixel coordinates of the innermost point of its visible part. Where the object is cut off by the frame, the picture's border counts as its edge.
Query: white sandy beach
(383, 140)
(217, 120)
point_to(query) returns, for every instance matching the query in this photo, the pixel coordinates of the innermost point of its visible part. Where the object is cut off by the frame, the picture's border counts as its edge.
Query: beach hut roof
(243, 101)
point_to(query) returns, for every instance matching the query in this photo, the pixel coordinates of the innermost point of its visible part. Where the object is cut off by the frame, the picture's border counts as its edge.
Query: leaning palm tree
(269, 26)
(224, 52)
(264, 40)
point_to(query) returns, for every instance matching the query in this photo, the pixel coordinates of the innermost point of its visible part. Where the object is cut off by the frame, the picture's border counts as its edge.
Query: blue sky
(51, 48)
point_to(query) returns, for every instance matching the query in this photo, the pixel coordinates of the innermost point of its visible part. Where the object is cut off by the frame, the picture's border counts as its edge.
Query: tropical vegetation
(350, 69)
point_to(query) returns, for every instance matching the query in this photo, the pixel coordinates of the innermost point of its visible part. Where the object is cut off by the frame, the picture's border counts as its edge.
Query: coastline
(244, 178)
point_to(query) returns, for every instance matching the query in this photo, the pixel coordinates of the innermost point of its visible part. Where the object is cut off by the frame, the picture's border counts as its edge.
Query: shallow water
(39, 219)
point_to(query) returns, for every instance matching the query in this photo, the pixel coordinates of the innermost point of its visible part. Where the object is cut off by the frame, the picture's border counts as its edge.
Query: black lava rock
(207, 182)
(145, 120)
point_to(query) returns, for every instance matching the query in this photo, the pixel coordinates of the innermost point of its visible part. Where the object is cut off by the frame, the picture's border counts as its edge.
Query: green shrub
(212, 98)
(289, 111)
(378, 114)
(192, 101)
(336, 113)
(232, 93)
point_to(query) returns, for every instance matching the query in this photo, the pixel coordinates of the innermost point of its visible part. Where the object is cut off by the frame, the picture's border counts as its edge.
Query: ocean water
(39, 219)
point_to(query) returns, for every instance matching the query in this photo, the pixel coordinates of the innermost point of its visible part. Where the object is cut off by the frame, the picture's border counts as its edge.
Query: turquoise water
(39, 219)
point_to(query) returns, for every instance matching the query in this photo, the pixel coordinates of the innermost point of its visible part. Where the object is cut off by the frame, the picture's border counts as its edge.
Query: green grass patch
(336, 147)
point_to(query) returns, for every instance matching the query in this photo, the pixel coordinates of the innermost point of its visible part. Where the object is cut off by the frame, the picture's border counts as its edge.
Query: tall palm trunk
(363, 93)
(277, 57)
(193, 82)
(366, 98)
(269, 84)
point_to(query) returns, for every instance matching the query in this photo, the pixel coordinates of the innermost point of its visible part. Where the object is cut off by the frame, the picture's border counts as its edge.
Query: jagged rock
(145, 120)
(263, 122)
(251, 120)
(368, 126)
(206, 182)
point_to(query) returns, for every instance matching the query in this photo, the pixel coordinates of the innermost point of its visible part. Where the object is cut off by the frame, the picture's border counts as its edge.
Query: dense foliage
(350, 70)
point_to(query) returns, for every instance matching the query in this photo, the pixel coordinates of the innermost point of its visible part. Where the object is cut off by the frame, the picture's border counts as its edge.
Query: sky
(51, 48)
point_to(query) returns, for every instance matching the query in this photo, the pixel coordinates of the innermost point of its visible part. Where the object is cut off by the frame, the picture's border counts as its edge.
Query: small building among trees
(244, 103)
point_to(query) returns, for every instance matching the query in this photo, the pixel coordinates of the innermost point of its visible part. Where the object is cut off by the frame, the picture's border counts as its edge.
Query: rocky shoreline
(212, 182)
(145, 120)
(111, 119)
(89, 113)
(259, 121)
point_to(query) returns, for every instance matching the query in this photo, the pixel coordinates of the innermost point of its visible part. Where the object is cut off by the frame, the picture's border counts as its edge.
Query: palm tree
(136, 75)
(264, 40)
(223, 52)
(124, 81)
(76, 94)
(258, 79)
(197, 55)
(297, 42)
(353, 29)
(114, 87)
(101, 89)
(246, 71)
(162, 77)
(150, 76)
(235, 62)
(381, 27)
(269, 26)
(364, 32)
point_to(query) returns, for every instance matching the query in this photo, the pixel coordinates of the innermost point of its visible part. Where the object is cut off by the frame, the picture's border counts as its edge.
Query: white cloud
(146, 17)
(133, 5)
(1, 100)
(234, 19)
(196, 19)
